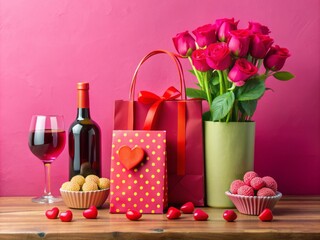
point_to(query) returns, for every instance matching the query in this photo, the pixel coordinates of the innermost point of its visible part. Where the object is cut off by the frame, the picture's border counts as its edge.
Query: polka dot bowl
(253, 205)
(83, 200)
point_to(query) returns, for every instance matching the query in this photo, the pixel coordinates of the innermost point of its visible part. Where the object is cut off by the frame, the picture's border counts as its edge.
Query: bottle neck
(83, 104)
(83, 113)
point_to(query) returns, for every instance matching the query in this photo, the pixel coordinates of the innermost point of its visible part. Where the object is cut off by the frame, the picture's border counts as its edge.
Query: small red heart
(200, 215)
(187, 208)
(90, 213)
(130, 157)
(229, 215)
(266, 215)
(133, 215)
(66, 216)
(173, 213)
(52, 213)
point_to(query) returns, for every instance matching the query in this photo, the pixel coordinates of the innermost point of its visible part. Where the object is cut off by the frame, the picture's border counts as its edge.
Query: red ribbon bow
(150, 98)
(171, 93)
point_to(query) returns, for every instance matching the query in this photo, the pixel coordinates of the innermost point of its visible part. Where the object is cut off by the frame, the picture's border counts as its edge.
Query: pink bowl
(82, 200)
(253, 205)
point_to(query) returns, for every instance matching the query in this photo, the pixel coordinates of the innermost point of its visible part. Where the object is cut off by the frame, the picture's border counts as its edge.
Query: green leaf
(215, 79)
(221, 105)
(196, 93)
(192, 72)
(283, 76)
(248, 107)
(253, 89)
(207, 116)
(261, 77)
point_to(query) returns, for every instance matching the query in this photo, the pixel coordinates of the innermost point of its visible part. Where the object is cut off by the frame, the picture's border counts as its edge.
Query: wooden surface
(294, 218)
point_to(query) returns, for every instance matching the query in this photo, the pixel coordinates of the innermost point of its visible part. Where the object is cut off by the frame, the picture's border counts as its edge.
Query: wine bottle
(84, 139)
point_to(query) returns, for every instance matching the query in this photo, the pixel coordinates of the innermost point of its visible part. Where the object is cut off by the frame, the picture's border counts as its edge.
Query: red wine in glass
(47, 144)
(46, 141)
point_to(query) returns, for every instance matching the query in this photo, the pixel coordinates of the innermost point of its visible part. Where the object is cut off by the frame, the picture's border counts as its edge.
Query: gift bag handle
(151, 115)
(178, 66)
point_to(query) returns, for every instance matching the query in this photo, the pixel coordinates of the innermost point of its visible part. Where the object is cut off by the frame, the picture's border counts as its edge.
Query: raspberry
(265, 192)
(257, 183)
(235, 185)
(271, 183)
(248, 176)
(246, 191)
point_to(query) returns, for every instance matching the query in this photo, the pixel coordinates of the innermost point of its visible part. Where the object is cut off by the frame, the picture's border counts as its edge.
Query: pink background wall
(47, 46)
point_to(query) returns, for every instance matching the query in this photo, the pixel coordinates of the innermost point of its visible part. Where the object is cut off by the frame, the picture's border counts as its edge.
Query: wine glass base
(46, 199)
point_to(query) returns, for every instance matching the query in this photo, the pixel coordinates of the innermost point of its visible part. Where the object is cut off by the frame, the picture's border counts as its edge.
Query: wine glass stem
(47, 176)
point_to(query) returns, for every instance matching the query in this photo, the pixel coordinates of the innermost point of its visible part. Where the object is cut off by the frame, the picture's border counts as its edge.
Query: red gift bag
(182, 121)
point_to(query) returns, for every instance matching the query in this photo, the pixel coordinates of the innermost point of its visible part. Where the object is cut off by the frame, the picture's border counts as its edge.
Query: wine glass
(46, 141)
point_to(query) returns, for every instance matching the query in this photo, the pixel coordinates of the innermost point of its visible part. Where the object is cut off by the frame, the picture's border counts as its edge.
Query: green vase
(229, 153)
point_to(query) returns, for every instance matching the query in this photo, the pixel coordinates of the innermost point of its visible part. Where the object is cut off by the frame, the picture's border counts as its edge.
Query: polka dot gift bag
(138, 171)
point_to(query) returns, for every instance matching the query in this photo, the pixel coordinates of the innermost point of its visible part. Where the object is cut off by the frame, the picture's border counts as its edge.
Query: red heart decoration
(52, 213)
(187, 208)
(229, 215)
(90, 213)
(200, 215)
(266, 215)
(130, 157)
(173, 213)
(66, 216)
(133, 215)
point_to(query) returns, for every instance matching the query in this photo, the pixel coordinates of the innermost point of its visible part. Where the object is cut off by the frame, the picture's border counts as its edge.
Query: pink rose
(218, 56)
(255, 27)
(260, 45)
(184, 43)
(275, 58)
(223, 28)
(205, 35)
(199, 60)
(242, 71)
(239, 42)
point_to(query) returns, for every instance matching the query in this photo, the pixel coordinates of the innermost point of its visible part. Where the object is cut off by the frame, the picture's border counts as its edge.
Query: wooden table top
(294, 218)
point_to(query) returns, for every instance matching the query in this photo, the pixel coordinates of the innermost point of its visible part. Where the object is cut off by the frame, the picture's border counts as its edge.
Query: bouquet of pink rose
(226, 63)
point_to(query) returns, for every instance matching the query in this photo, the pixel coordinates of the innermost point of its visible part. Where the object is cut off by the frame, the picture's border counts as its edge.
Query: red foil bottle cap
(83, 86)
(83, 94)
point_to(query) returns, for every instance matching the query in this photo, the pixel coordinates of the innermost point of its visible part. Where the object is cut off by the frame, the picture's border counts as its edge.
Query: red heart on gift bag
(130, 157)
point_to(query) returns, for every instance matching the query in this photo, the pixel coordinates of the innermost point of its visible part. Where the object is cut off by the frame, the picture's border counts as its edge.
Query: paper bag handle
(178, 66)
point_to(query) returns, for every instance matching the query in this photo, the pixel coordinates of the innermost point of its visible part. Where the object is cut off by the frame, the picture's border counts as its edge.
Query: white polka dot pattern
(144, 187)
